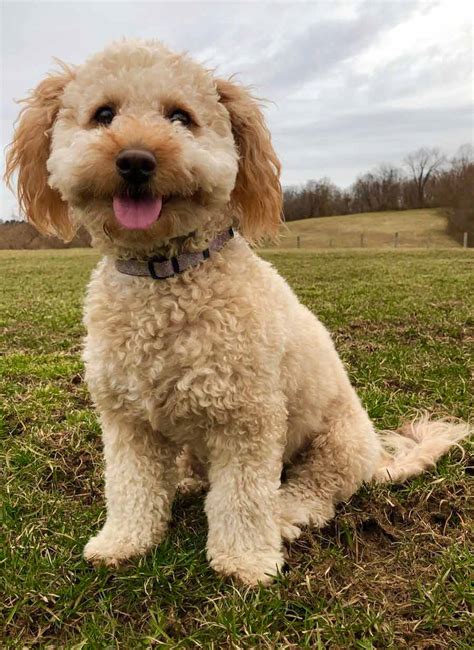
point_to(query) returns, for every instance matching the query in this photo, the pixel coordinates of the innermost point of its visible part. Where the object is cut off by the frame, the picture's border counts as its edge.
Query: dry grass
(415, 228)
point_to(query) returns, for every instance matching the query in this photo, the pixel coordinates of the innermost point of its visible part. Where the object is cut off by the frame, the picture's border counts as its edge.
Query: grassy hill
(19, 235)
(415, 228)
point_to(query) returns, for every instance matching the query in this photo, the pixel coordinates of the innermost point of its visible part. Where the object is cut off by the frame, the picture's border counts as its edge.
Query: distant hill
(415, 228)
(19, 234)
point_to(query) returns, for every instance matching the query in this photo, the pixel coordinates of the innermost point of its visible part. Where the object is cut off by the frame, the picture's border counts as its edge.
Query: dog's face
(143, 145)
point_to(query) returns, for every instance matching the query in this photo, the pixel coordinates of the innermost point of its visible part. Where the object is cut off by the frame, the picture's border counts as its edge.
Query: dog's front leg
(244, 537)
(140, 482)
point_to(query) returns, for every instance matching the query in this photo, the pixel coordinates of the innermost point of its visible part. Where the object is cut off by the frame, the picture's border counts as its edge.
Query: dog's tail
(416, 446)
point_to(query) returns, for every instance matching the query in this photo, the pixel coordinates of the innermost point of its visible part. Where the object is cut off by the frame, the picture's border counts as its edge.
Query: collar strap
(160, 268)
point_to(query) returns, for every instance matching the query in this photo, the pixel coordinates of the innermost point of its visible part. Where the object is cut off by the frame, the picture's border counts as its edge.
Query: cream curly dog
(193, 340)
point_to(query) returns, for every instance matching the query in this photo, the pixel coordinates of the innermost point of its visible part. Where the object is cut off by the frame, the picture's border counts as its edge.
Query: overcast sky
(353, 83)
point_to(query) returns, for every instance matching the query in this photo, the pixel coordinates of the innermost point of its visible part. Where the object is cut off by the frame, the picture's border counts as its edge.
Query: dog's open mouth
(137, 213)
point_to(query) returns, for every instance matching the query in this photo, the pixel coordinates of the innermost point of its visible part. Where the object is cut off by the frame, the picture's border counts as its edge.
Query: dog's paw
(294, 515)
(113, 550)
(289, 530)
(252, 569)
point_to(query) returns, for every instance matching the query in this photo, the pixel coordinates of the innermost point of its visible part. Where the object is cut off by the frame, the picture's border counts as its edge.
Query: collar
(161, 268)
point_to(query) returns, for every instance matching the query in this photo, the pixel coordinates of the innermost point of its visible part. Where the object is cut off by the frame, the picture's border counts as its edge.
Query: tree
(378, 190)
(457, 193)
(317, 198)
(433, 181)
(389, 182)
(423, 165)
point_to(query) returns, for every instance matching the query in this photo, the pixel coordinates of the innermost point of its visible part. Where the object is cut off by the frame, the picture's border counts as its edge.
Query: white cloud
(354, 83)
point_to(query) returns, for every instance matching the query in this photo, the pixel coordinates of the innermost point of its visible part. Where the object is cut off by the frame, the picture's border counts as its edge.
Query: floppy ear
(28, 155)
(257, 195)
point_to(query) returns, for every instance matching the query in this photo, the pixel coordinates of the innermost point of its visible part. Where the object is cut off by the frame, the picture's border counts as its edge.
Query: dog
(193, 341)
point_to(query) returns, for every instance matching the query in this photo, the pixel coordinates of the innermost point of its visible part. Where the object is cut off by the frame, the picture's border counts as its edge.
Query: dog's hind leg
(140, 482)
(192, 474)
(336, 461)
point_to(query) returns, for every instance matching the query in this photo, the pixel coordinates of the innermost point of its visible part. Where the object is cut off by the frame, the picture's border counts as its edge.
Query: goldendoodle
(193, 341)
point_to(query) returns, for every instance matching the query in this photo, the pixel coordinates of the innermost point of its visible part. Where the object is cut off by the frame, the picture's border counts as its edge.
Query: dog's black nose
(136, 166)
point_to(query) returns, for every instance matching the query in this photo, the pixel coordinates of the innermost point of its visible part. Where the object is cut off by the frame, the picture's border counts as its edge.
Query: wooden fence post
(297, 241)
(395, 241)
(464, 240)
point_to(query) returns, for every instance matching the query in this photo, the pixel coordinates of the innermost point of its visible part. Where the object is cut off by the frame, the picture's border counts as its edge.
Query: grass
(391, 570)
(416, 229)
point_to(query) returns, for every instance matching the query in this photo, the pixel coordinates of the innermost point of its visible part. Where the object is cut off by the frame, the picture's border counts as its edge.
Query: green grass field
(392, 569)
(424, 228)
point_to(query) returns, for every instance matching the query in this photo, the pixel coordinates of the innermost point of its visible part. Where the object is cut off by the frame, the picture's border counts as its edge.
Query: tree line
(426, 179)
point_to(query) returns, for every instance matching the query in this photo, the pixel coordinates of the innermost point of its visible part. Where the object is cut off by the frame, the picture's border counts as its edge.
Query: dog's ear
(257, 195)
(29, 152)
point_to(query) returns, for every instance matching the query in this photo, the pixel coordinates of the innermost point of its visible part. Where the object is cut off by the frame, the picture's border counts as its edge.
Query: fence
(369, 239)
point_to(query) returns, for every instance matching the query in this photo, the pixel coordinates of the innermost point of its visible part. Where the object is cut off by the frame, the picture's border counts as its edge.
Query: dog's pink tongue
(139, 214)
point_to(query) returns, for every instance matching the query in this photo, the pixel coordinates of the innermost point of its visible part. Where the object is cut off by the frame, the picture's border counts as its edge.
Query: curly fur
(29, 153)
(222, 360)
(259, 166)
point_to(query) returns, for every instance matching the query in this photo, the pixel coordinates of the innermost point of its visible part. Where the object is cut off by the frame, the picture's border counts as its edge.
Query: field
(416, 229)
(392, 569)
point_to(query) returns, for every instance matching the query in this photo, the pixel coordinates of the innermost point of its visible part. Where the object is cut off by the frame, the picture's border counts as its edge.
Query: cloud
(349, 144)
(353, 83)
(324, 44)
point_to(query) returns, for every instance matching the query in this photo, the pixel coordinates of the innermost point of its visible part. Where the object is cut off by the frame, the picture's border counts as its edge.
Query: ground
(391, 571)
(425, 228)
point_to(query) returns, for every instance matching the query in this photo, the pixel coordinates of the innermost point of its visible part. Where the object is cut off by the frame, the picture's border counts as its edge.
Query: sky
(350, 84)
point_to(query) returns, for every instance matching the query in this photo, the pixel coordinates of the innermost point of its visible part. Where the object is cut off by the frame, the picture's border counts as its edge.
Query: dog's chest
(164, 352)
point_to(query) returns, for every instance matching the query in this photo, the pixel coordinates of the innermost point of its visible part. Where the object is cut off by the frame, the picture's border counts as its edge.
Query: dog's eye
(104, 115)
(180, 116)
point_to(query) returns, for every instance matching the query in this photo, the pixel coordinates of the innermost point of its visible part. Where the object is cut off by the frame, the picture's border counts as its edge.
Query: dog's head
(142, 145)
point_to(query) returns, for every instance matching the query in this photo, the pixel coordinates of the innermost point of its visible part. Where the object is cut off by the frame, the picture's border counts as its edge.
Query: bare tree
(455, 192)
(389, 181)
(464, 157)
(433, 181)
(362, 193)
(423, 165)
(378, 190)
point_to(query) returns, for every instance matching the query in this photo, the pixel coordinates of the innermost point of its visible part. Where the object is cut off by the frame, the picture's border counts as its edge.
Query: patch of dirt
(380, 547)
(74, 475)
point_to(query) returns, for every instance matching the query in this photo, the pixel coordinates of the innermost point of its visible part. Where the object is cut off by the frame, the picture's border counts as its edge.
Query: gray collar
(160, 268)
